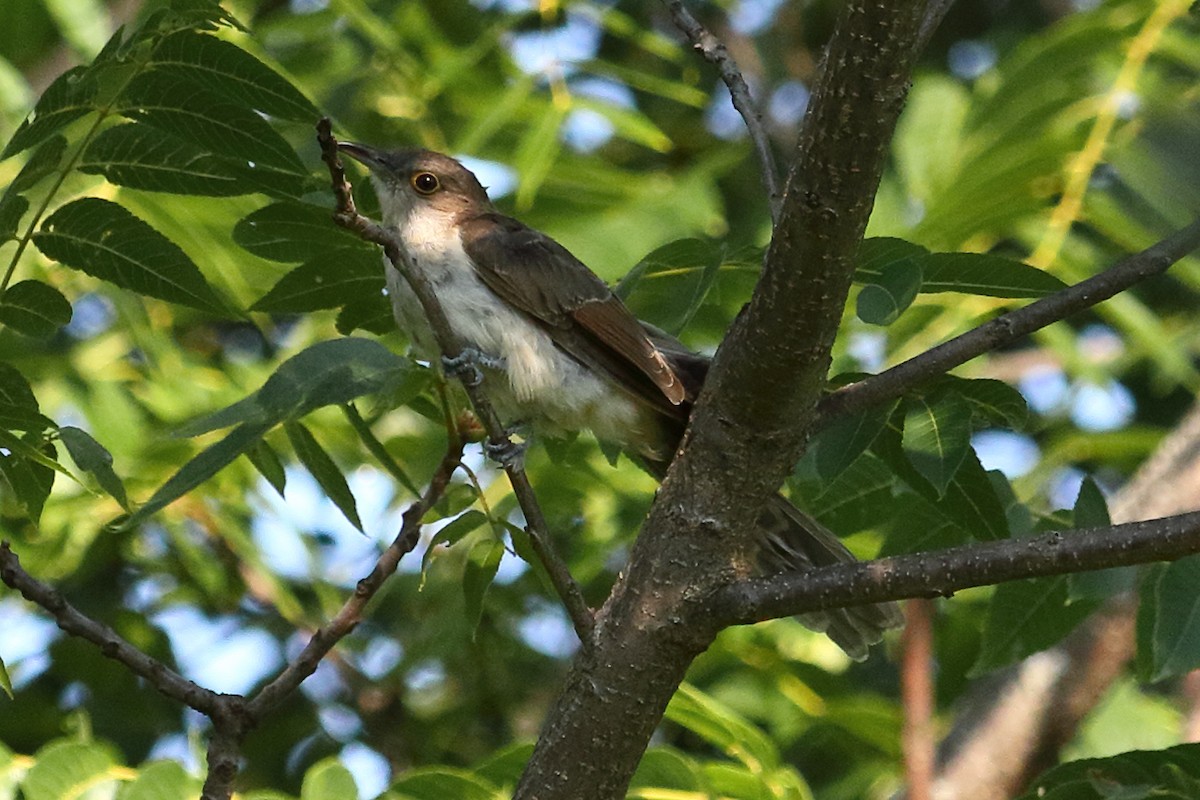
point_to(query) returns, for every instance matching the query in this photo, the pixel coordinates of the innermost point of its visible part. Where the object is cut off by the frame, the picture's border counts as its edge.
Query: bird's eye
(426, 182)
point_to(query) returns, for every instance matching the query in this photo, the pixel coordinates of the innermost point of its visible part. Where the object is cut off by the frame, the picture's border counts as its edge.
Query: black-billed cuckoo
(562, 352)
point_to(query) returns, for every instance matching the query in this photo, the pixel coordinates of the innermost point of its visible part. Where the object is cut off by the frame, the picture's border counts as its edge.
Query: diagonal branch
(1009, 327)
(271, 695)
(715, 53)
(111, 644)
(348, 217)
(943, 572)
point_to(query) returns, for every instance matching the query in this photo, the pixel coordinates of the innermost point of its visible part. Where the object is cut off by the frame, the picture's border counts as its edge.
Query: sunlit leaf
(987, 275)
(439, 783)
(482, 563)
(69, 769)
(162, 780)
(722, 727)
(1171, 774)
(104, 240)
(328, 779)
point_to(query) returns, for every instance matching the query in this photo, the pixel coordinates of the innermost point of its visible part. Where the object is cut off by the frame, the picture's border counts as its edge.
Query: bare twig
(348, 217)
(352, 611)
(715, 53)
(1009, 327)
(943, 572)
(76, 623)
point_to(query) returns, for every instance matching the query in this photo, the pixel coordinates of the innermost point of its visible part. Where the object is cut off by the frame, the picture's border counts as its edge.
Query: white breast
(540, 384)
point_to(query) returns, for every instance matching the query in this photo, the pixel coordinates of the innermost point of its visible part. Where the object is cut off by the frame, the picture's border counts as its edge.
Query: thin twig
(714, 52)
(76, 623)
(352, 611)
(448, 342)
(1009, 327)
(943, 572)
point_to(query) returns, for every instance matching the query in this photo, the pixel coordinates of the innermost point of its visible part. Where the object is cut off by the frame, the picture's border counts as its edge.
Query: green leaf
(104, 240)
(722, 727)
(5, 680)
(441, 783)
(667, 768)
(1091, 511)
(34, 309)
(208, 121)
(483, 561)
(44, 161)
(91, 457)
(12, 209)
(266, 461)
(372, 314)
(327, 281)
(886, 298)
(14, 389)
(162, 780)
(295, 232)
(992, 401)
(537, 153)
(628, 123)
(838, 445)
(328, 779)
(1025, 617)
(453, 532)
(990, 276)
(72, 95)
(937, 436)
(1169, 620)
(971, 502)
(671, 283)
(878, 253)
(1168, 774)
(327, 373)
(323, 468)
(225, 69)
(142, 157)
(68, 769)
(22, 418)
(198, 469)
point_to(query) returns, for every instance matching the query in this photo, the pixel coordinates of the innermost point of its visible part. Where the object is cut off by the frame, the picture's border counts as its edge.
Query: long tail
(794, 541)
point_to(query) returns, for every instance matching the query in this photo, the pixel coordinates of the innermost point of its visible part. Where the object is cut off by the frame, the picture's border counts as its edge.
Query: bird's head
(417, 184)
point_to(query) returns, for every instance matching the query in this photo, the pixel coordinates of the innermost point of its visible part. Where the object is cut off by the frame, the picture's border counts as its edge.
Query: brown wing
(539, 276)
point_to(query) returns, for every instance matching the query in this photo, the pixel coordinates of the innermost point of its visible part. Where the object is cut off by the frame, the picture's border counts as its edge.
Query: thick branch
(748, 428)
(76, 623)
(715, 53)
(1009, 327)
(450, 345)
(944, 572)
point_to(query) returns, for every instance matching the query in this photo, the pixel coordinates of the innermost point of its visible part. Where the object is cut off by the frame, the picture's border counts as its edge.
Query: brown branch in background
(715, 53)
(943, 572)
(916, 692)
(1009, 327)
(348, 217)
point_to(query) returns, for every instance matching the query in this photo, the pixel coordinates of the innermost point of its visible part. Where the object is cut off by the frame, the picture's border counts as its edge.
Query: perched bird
(562, 353)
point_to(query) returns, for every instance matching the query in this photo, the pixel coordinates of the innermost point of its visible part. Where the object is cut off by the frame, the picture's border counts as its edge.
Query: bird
(561, 352)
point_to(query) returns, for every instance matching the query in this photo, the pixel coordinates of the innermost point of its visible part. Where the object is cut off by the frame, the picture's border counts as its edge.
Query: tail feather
(794, 541)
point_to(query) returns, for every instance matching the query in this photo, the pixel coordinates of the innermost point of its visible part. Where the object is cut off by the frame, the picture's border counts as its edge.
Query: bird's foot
(466, 365)
(508, 454)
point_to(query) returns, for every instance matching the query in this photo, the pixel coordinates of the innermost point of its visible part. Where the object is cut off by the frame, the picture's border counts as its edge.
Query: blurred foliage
(174, 298)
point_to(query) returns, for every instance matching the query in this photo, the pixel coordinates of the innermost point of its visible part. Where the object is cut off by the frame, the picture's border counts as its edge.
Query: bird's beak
(367, 156)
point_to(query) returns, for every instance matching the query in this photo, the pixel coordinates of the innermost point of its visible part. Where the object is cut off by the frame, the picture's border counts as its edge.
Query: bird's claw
(466, 365)
(507, 453)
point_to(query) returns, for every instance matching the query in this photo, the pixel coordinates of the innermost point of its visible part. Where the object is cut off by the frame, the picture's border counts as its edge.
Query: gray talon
(508, 454)
(466, 365)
